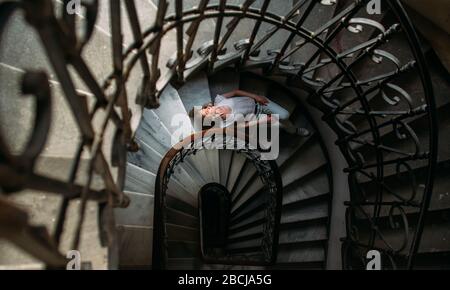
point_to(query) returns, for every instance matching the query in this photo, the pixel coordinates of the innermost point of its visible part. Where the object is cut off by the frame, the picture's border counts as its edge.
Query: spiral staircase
(97, 169)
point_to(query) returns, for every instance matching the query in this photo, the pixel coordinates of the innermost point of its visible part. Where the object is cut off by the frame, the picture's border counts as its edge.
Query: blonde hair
(204, 106)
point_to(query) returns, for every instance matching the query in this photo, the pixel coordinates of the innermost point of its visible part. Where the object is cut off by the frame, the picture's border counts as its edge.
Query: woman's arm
(231, 94)
(235, 93)
(257, 98)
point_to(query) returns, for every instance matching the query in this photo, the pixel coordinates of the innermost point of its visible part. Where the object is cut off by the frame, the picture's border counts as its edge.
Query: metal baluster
(342, 18)
(380, 81)
(255, 32)
(155, 72)
(367, 48)
(231, 26)
(192, 33)
(288, 17)
(137, 35)
(52, 38)
(180, 44)
(217, 32)
(291, 37)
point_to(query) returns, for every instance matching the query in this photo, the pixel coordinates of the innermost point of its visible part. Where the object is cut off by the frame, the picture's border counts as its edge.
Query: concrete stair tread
(248, 173)
(313, 208)
(256, 203)
(195, 92)
(237, 163)
(251, 231)
(213, 163)
(180, 205)
(301, 252)
(139, 180)
(293, 144)
(225, 157)
(180, 218)
(307, 160)
(305, 212)
(183, 249)
(252, 184)
(182, 233)
(291, 183)
(307, 233)
(240, 224)
(135, 246)
(150, 157)
(139, 212)
(254, 243)
(146, 157)
(306, 190)
(312, 200)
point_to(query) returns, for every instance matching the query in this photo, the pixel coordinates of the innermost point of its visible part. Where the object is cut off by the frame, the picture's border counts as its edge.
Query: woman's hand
(262, 100)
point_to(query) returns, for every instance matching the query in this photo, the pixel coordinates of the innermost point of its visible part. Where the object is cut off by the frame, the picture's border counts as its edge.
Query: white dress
(240, 107)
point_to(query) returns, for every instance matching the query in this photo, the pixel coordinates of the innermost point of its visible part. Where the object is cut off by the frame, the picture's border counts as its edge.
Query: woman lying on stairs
(243, 103)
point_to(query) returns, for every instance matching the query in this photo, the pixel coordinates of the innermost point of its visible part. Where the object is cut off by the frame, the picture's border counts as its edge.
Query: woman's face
(214, 111)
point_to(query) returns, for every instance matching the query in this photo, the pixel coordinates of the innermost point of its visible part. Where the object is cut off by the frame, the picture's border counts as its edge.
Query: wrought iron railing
(64, 48)
(343, 97)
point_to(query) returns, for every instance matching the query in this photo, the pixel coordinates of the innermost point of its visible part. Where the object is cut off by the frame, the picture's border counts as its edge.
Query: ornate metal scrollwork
(370, 161)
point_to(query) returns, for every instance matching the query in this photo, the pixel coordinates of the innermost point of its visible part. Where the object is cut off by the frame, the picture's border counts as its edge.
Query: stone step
(139, 180)
(315, 185)
(138, 213)
(182, 233)
(304, 212)
(150, 156)
(237, 164)
(180, 205)
(195, 92)
(176, 217)
(301, 252)
(309, 158)
(225, 157)
(307, 233)
(183, 249)
(135, 246)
